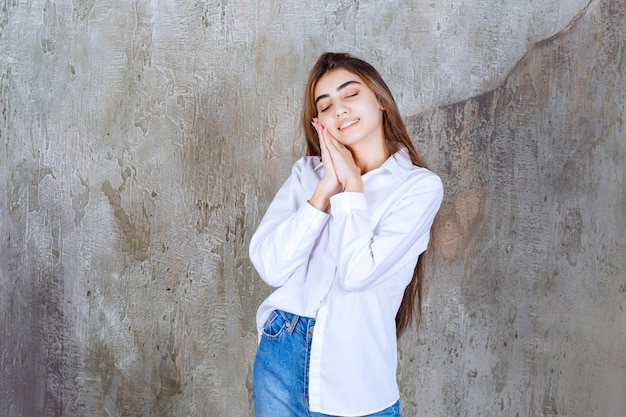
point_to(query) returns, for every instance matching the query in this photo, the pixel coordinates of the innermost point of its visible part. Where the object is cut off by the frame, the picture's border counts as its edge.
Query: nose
(340, 109)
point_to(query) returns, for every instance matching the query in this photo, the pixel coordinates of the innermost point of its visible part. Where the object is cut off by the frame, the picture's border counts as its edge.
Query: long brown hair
(395, 134)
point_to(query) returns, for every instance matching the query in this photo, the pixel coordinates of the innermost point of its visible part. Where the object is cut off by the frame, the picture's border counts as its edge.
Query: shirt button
(311, 329)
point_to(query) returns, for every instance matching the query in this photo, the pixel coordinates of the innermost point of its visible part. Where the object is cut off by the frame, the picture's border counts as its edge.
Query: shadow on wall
(533, 234)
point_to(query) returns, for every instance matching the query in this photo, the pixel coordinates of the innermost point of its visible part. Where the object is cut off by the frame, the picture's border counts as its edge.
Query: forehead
(330, 81)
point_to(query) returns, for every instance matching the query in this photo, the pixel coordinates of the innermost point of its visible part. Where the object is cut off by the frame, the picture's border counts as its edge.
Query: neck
(370, 156)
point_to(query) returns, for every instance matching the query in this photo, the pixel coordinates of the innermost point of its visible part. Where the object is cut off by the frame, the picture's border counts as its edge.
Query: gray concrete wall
(142, 141)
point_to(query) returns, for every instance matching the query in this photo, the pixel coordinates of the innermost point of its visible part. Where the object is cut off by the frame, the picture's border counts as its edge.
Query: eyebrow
(347, 83)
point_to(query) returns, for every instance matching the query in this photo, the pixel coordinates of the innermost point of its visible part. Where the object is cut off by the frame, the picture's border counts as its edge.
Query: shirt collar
(399, 164)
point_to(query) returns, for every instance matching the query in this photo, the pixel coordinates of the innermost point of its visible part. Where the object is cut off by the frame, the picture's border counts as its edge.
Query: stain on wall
(141, 142)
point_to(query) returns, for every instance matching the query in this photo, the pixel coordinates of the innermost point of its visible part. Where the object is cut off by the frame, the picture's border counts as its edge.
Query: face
(348, 108)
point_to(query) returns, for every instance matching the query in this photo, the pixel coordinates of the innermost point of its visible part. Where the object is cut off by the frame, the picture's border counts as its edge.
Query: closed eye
(324, 109)
(354, 94)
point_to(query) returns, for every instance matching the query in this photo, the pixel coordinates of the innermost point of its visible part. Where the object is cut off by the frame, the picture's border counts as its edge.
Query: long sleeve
(289, 229)
(365, 251)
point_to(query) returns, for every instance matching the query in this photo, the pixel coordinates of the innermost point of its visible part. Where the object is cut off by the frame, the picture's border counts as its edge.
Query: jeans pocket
(275, 326)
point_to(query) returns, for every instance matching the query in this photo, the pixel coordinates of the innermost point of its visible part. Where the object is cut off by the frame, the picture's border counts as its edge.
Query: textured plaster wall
(140, 143)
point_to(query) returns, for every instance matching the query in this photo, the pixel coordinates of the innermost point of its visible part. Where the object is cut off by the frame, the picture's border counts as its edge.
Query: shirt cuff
(347, 201)
(312, 217)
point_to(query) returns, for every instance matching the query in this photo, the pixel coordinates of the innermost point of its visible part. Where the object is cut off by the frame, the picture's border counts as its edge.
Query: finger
(326, 152)
(334, 147)
(323, 148)
(317, 126)
(321, 134)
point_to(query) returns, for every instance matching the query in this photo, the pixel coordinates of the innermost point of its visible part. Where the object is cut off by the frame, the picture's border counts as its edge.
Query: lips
(345, 124)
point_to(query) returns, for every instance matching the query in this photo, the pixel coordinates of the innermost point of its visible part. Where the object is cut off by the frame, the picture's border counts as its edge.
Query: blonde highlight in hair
(396, 136)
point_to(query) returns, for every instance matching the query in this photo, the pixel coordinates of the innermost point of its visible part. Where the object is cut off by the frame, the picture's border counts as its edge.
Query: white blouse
(347, 269)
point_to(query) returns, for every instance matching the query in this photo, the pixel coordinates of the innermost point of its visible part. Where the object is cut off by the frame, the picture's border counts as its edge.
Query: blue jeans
(280, 376)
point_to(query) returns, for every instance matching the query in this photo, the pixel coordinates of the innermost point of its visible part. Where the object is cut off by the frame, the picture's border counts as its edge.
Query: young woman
(341, 240)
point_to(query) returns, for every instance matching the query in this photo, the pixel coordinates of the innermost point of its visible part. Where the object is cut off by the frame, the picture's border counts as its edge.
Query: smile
(348, 124)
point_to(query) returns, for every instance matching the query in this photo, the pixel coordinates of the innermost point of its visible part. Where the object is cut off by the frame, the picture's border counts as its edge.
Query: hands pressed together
(340, 170)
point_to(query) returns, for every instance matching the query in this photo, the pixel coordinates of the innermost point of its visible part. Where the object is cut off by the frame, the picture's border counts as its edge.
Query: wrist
(354, 185)
(321, 196)
(319, 203)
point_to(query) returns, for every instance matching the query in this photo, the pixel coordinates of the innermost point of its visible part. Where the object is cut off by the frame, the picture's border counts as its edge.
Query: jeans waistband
(295, 321)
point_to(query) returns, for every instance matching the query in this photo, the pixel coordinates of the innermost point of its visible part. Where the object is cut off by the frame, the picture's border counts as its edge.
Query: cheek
(325, 120)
